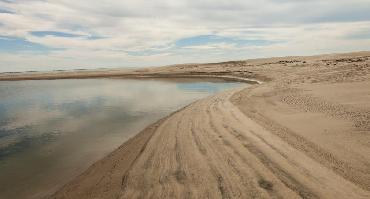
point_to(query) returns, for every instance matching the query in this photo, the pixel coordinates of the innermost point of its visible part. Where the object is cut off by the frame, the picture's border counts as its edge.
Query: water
(52, 130)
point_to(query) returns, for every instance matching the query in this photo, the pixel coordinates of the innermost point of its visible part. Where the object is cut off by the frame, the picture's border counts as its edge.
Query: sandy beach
(301, 131)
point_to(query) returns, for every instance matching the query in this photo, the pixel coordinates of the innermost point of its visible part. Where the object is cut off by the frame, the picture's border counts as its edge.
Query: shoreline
(130, 150)
(128, 153)
(128, 76)
(301, 134)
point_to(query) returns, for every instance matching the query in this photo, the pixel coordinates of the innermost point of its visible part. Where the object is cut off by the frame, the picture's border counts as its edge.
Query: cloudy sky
(69, 34)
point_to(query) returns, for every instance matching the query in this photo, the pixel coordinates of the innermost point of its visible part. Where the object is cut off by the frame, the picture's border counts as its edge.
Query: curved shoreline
(123, 158)
(301, 134)
(128, 153)
(48, 76)
(209, 149)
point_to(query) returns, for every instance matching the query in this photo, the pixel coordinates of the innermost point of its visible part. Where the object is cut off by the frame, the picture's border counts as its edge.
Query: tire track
(212, 150)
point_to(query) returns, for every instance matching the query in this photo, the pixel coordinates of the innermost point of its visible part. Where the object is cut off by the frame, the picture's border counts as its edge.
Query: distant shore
(302, 133)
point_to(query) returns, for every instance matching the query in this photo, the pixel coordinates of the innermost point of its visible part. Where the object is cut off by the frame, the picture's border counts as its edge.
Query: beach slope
(303, 133)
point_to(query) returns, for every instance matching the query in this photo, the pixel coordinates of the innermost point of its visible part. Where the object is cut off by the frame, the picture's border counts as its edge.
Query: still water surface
(53, 130)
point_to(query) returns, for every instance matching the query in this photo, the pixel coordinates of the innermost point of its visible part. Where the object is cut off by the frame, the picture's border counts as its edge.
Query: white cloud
(121, 33)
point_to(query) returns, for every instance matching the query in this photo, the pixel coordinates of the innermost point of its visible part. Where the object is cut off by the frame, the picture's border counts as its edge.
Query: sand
(303, 133)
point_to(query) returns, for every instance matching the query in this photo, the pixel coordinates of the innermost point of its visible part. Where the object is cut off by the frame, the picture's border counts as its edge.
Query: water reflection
(52, 130)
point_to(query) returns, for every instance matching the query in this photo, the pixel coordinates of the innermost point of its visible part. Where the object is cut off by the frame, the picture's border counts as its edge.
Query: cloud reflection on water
(59, 127)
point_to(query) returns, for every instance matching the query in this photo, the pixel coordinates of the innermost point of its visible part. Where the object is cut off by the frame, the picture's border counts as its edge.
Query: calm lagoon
(52, 130)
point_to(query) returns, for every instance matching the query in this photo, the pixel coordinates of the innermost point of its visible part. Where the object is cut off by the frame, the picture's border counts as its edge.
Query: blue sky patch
(15, 44)
(213, 39)
(53, 33)
(363, 34)
(64, 34)
(6, 11)
(94, 37)
(143, 53)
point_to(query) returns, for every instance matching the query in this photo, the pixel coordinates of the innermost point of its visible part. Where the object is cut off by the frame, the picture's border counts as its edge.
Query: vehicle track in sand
(210, 149)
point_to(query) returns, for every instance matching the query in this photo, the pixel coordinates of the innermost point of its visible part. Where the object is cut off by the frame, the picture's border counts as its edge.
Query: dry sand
(303, 133)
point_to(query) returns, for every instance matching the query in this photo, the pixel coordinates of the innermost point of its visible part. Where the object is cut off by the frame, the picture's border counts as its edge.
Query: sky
(44, 35)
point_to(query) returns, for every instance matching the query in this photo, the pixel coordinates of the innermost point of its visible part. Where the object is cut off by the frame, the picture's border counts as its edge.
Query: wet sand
(303, 133)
